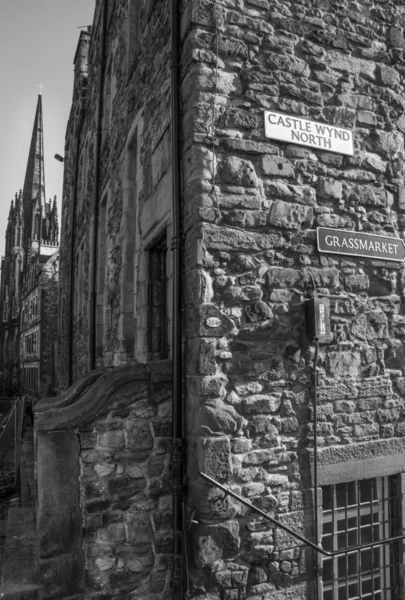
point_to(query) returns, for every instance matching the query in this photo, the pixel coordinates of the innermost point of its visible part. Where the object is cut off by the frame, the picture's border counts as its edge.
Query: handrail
(14, 425)
(20, 410)
(229, 492)
(4, 436)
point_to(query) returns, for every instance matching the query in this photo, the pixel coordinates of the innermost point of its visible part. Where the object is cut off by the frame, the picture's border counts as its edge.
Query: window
(356, 514)
(157, 301)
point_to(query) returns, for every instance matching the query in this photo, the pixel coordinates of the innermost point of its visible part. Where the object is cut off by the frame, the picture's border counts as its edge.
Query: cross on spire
(41, 87)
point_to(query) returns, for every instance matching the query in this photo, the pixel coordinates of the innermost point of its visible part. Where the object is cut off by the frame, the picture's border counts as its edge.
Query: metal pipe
(72, 248)
(178, 421)
(94, 234)
(290, 531)
(316, 507)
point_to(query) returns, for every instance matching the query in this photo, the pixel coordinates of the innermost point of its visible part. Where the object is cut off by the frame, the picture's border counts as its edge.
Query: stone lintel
(93, 395)
(365, 460)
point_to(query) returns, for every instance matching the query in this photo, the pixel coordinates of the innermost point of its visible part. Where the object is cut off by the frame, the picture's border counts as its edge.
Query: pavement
(18, 536)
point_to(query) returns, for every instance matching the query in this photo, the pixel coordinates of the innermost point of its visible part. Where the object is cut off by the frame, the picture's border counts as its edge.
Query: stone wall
(105, 526)
(49, 324)
(251, 210)
(251, 207)
(111, 230)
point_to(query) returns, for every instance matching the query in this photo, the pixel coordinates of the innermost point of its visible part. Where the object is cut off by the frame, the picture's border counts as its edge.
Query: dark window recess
(360, 513)
(157, 301)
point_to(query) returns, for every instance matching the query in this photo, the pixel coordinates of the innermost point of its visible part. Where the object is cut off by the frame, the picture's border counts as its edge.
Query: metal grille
(356, 514)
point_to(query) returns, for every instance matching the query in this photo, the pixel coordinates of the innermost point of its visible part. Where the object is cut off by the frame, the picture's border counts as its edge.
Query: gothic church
(32, 239)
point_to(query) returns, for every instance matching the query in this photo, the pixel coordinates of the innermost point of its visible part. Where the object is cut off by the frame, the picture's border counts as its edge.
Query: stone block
(237, 171)
(326, 277)
(289, 215)
(139, 436)
(262, 403)
(123, 581)
(96, 506)
(366, 117)
(111, 439)
(241, 445)
(208, 321)
(296, 522)
(401, 197)
(334, 221)
(279, 277)
(273, 166)
(330, 189)
(357, 283)
(137, 559)
(198, 287)
(374, 162)
(250, 146)
(211, 385)
(105, 563)
(214, 458)
(114, 533)
(396, 36)
(122, 488)
(289, 425)
(389, 143)
(302, 194)
(207, 364)
(62, 576)
(258, 311)
(139, 528)
(245, 293)
(344, 364)
(259, 457)
(213, 542)
(59, 515)
(218, 417)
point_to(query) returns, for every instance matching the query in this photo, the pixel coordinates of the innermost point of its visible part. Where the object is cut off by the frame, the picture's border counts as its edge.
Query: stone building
(38, 326)
(32, 237)
(206, 326)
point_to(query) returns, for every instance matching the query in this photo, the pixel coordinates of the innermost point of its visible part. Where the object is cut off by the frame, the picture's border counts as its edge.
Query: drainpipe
(315, 478)
(94, 229)
(72, 246)
(178, 421)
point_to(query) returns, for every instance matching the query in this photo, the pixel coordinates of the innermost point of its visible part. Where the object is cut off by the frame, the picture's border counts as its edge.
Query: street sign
(354, 243)
(304, 132)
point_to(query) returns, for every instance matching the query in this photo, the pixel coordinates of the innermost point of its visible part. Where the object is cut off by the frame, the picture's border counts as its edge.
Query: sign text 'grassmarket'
(354, 243)
(295, 130)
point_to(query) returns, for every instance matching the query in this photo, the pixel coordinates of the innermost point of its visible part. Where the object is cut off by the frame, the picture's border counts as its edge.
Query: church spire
(34, 184)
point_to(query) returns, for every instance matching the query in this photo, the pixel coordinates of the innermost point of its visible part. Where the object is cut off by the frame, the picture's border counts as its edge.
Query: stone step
(19, 576)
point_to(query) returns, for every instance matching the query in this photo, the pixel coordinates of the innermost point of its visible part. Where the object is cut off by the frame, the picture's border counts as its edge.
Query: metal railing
(10, 444)
(229, 492)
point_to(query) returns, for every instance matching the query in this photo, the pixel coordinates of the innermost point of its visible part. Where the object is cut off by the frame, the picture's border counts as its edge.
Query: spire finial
(41, 87)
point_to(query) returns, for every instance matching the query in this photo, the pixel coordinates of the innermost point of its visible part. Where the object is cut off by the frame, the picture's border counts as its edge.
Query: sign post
(354, 243)
(304, 132)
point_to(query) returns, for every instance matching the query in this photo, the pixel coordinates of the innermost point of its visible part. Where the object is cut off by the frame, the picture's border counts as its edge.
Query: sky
(38, 40)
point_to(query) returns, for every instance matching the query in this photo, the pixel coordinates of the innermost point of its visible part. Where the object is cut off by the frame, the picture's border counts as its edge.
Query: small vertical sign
(318, 319)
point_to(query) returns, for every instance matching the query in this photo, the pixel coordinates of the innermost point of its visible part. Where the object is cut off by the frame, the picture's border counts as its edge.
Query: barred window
(356, 514)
